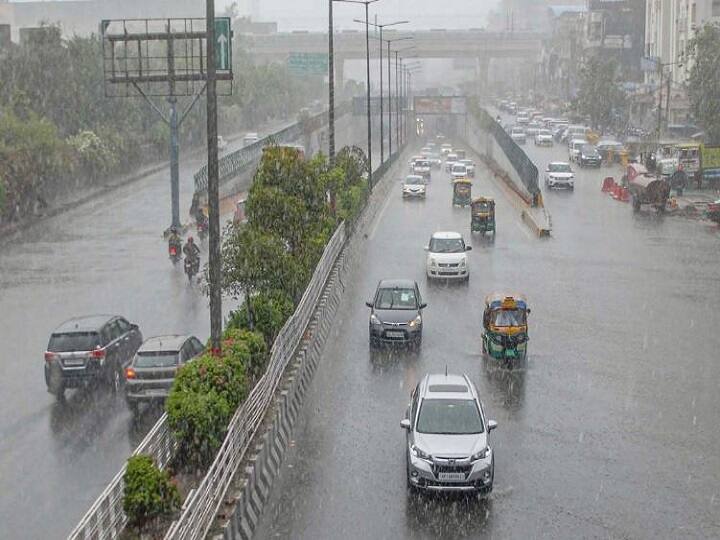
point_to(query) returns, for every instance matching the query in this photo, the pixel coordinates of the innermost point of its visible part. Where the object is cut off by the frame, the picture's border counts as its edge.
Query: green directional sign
(308, 63)
(223, 44)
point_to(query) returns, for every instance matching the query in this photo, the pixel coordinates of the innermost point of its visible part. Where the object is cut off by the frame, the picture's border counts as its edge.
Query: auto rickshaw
(505, 333)
(482, 211)
(462, 192)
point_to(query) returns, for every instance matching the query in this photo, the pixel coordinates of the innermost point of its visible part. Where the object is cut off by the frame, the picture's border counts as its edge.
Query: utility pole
(382, 128)
(369, 117)
(389, 106)
(331, 85)
(659, 111)
(214, 273)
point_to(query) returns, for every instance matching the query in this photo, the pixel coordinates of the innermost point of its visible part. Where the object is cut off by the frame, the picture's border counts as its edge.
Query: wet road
(610, 431)
(107, 256)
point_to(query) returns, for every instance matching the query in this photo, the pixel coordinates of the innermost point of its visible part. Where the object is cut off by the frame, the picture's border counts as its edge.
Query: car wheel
(115, 379)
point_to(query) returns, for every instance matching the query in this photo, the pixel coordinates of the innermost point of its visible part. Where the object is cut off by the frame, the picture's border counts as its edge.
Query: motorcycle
(192, 266)
(174, 251)
(202, 228)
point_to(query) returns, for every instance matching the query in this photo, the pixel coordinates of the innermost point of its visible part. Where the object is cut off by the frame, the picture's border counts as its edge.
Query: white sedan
(559, 174)
(414, 185)
(447, 257)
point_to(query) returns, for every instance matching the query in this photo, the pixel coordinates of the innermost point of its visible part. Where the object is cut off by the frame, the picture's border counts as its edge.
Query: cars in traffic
(559, 174)
(458, 170)
(450, 160)
(574, 147)
(414, 185)
(469, 167)
(589, 156)
(89, 350)
(544, 137)
(152, 370)
(445, 149)
(447, 256)
(396, 314)
(517, 134)
(421, 167)
(447, 447)
(434, 159)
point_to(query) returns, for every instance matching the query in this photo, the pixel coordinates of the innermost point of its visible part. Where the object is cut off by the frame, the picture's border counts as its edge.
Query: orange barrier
(608, 184)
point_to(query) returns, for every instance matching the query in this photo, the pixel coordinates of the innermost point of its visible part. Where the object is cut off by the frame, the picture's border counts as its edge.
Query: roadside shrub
(250, 348)
(149, 493)
(270, 312)
(352, 201)
(203, 398)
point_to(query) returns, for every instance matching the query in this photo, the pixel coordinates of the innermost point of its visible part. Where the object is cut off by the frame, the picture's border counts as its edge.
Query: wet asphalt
(610, 430)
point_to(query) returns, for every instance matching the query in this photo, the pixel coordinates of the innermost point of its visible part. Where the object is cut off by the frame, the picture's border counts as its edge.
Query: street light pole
(389, 106)
(331, 85)
(214, 270)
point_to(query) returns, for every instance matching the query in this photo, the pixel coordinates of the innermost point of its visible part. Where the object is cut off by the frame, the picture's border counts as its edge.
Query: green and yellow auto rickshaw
(482, 212)
(462, 192)
(505, 328)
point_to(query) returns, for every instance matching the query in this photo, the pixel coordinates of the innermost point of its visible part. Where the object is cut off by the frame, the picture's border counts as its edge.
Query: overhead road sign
(307, 63)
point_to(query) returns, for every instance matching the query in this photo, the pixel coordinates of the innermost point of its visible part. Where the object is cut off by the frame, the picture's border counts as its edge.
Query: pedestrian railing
(200, 509)
(106, 519)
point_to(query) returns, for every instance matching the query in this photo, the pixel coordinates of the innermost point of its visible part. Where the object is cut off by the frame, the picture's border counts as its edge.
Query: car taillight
(130, 373)
(173, 251)
(97, 353)
(50, 356)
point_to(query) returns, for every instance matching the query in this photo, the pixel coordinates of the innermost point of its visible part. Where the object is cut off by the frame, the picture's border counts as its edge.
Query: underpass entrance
(440, 115)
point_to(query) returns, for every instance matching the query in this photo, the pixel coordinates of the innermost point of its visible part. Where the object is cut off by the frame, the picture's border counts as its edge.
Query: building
(669, 27)
(563, 49)
(82, 17)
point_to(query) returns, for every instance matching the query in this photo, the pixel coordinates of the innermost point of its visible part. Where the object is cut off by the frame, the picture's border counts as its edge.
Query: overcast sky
(312, 14)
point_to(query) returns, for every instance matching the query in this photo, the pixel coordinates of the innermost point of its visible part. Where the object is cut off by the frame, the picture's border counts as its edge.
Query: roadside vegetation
(58, 131)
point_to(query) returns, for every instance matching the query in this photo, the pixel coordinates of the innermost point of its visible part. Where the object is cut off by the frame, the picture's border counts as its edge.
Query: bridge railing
(200, 510)
(106, 519)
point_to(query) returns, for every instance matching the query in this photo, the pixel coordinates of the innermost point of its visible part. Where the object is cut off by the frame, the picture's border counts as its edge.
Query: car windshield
(559, 167)
(544, 132)
(447, 245)
(75, 341)
(396, 298)
(422, 163)
(509, 317)
(414, 180)
(157, 359)
(459, 168)
(449, 417)
(589, 150)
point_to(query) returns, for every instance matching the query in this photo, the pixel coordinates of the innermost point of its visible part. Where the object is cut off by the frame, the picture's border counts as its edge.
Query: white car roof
(447, 235)
(558, 163)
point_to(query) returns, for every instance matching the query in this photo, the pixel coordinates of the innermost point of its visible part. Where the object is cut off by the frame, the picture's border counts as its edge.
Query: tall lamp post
(398, 97)
(381, 26)
(389, 43)
(331, 80)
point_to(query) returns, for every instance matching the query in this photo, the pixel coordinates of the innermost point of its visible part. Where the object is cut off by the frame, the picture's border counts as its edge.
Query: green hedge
(269, 309)
(149, 493)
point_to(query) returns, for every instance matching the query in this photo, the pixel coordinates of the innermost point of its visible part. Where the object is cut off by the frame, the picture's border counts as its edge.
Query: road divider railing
(236, 162)
(106, 519)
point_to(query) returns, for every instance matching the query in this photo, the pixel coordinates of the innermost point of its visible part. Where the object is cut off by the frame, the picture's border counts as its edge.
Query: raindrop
(694, 420)
(581, 436)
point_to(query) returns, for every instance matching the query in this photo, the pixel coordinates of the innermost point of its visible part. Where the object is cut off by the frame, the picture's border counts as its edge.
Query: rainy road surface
(107, 256)
(611, 431)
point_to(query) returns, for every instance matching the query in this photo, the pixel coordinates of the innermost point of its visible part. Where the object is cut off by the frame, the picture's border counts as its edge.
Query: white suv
(447, 257)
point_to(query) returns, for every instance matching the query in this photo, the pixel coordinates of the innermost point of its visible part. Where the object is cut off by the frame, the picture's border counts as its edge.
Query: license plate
(451, 477)
(74, 362)
(393, 334)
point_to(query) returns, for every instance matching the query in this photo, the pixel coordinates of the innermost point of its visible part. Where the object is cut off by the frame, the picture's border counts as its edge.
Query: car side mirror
(369, 304)
(423, 305)
(468, 248)
(492, 424)
(529, 311)
(405, 423)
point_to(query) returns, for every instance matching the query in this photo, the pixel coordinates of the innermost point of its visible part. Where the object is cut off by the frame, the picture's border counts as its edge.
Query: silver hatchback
(447, 437)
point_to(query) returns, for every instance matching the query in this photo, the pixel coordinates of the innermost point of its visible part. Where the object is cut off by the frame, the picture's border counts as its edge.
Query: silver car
(447, 437)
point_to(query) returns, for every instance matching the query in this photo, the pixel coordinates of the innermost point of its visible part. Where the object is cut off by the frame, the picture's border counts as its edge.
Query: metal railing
(106, 519)
(200, 509)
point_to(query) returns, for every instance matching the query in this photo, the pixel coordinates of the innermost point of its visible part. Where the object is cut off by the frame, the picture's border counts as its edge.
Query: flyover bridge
(437, 43)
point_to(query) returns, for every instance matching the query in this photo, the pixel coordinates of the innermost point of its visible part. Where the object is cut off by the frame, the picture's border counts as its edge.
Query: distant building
(563, 49)
(82, 17)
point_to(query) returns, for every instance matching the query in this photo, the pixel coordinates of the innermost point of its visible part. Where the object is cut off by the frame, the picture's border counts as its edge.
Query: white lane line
(379, 217)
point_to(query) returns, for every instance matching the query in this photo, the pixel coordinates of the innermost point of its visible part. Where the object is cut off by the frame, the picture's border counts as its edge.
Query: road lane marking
(379, 217)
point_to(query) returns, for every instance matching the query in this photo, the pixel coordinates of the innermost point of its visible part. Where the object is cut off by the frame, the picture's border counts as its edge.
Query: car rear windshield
(449, 417)
(156, 359)
(74, 341)
(397, 298)
(422, 163)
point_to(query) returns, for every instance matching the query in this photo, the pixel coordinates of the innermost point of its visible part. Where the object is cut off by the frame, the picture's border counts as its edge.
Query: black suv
(396, 313)
(88, 350)
(152, 372)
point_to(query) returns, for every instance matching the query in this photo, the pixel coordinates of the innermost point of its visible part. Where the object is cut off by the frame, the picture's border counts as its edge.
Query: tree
(704, 82)
(600, 96)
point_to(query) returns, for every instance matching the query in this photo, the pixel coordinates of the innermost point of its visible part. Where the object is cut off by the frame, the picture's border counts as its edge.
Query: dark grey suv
(396, 313)
(152, 371)
(88, 350)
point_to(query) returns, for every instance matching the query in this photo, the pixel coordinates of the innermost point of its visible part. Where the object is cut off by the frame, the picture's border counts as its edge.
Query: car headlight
(463, 263)
(482, 454)
(374, 320)
(418, 453)
(417, 321)
(432, 262)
